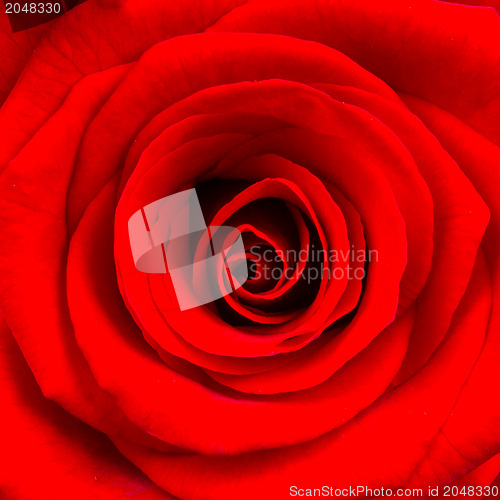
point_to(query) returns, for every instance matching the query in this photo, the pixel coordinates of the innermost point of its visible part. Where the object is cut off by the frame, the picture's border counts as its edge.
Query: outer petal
(17, 48)
(33, 253)
(46, 453)
(472, 433)
(89, 39)
(387, 38)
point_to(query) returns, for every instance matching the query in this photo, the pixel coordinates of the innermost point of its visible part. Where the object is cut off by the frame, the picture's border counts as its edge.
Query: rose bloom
(352, 126)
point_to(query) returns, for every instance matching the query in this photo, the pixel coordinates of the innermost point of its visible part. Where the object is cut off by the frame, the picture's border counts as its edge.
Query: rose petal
(63, 457)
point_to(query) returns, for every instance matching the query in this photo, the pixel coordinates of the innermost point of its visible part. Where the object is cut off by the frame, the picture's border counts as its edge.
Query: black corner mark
(27, 14)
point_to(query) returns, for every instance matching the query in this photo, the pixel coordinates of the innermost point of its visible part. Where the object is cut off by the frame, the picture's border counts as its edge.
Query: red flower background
(355, 124)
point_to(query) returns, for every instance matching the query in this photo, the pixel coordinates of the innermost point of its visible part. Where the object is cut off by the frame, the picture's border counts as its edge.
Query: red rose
(362, 136)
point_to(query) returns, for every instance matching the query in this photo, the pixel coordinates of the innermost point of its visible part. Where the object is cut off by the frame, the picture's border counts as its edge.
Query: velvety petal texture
(349, 150)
